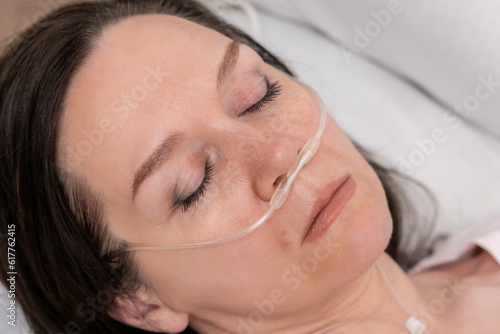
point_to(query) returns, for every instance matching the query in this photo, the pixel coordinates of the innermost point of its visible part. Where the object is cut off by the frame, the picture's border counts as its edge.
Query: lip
(328, 206)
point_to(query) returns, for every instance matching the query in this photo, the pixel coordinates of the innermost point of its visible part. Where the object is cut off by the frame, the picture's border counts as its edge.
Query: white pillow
(450, 48)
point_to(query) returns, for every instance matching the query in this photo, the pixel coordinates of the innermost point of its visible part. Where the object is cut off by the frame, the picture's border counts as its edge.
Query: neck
(382, 300)
(367, 305)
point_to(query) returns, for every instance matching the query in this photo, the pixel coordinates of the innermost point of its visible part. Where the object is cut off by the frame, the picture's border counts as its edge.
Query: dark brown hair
(67, 274)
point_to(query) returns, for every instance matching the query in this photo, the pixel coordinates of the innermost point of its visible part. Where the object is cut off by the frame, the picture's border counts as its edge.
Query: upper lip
(324, 197)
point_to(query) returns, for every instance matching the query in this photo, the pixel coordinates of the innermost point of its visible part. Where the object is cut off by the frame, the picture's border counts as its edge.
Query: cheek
(297, 114)
(201, 279)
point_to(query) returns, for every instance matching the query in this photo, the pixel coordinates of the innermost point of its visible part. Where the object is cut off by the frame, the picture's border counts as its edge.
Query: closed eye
(198, 193)
(273, 90)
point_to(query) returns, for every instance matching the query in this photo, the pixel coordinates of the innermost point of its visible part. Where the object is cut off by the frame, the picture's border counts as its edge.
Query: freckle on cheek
(286, 243)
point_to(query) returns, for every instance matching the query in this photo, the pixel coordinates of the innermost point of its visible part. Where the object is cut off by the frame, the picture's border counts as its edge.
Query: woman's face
(162, 102)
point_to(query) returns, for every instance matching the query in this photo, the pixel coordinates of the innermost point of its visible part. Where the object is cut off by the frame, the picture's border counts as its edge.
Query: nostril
(279, 179)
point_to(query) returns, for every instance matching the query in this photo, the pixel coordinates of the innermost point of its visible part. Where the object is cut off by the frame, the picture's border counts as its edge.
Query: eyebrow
(155, 161)
(228, 62)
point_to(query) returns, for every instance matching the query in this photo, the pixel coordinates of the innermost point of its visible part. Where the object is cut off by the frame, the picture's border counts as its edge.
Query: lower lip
(331, 210)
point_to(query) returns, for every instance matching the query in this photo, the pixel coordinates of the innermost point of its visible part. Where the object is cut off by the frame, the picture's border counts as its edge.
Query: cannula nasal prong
(285, 185)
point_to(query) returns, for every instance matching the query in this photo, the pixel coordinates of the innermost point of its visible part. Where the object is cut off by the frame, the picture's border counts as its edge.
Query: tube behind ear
(138, 311)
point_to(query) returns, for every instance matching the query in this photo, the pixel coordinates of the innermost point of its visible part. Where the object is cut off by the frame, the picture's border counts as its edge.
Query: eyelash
(273, 91)
(198, 193)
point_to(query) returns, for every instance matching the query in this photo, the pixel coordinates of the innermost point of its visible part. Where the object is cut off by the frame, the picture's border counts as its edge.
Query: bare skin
(472, 305)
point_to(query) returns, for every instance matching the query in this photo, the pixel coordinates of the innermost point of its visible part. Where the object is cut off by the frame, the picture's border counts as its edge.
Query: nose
(259, 157)
(273, 158)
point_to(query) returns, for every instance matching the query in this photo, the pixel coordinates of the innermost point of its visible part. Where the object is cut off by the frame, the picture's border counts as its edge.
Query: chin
(366, 247)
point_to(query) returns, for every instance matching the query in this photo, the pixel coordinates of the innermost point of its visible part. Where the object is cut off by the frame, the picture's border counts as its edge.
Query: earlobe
(136, 312)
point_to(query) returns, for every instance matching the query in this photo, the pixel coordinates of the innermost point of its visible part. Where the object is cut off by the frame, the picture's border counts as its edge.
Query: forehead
(137, 64)
(143, 40)
(136, 46)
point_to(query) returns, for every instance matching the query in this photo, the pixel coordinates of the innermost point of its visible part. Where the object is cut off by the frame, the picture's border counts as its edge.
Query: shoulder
(465, 295)
(478, 307)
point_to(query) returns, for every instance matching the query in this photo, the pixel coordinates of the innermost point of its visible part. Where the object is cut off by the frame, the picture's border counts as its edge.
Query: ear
(138, 311)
